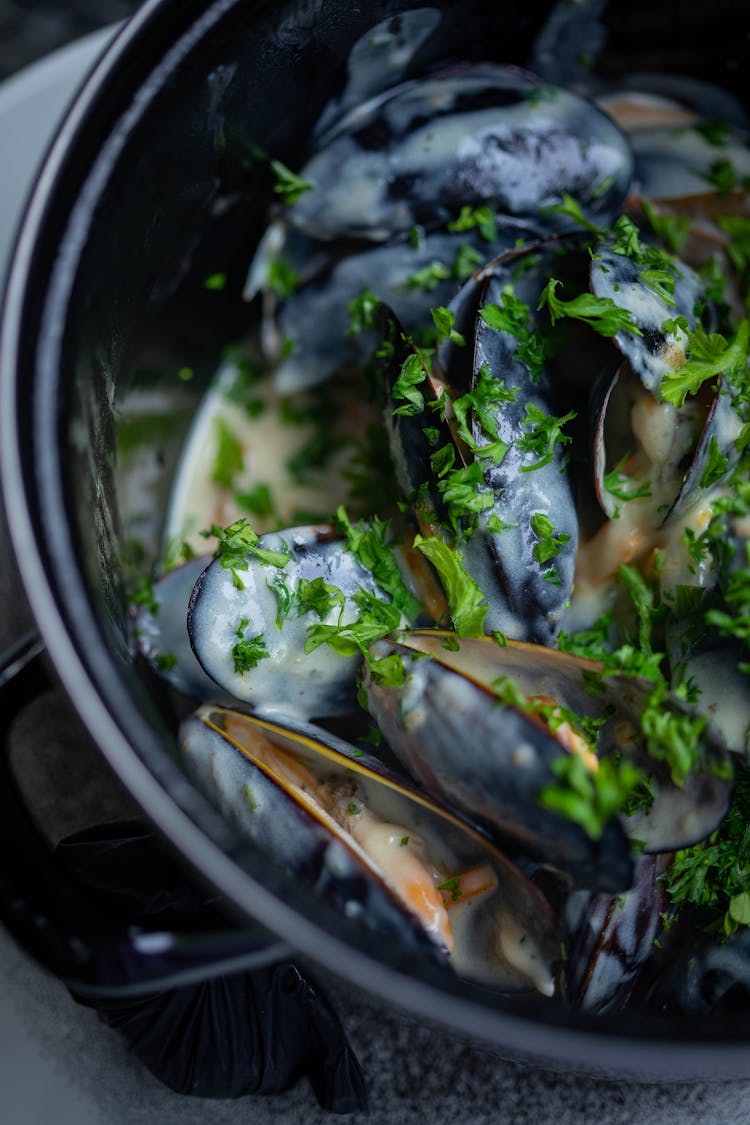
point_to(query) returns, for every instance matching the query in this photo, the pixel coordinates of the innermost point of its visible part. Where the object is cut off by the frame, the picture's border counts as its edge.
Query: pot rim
(587, 1043)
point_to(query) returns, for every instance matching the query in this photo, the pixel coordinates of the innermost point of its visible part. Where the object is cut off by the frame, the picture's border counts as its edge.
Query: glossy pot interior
(149, 189)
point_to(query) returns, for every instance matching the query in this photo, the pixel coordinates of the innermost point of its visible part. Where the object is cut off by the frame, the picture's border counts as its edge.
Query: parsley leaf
(708, 357)
(239, 540)
(600, 313)
(282, 279)
(229, 459)
(465, 598)
(713, 876)
(543, 432)
(484, 401)
(482, 217)
(247, 652)
(590, 798)
(572, 208)
(444, 319)
(287, 183)
(514, 316)
(315, 595)
(716, 465)
(361, 312)
(369, 541)
(624, 487)
(548, 545)
(406, 386)
(672, 229)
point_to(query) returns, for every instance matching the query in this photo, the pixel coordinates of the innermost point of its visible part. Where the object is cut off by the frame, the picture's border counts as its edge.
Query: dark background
(32, 28)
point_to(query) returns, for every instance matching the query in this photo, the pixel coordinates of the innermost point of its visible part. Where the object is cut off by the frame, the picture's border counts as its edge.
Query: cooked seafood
(534, 304)
(374, 845)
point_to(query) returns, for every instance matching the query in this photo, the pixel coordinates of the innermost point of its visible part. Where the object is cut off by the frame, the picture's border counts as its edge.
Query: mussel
(371, 845)
(251, 612)
(482, 726)
(609, 937)
(160, 634)
(483, 134)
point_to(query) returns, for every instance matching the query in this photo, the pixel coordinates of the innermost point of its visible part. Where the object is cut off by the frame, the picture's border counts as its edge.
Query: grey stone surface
(32, 28)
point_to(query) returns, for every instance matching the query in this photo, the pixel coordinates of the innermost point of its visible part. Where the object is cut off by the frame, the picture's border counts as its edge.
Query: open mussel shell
(608, 938)
(653, 351)
(373, 846)
(662, 457)
(722, 427)
(255, 606)
(491, 760)
(477, 134)
(160, 633)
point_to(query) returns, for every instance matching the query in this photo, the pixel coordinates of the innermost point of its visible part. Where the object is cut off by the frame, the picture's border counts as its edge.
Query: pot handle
(53, 917)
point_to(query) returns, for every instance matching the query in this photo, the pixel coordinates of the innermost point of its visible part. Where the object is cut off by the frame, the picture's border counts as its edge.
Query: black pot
(145, 192)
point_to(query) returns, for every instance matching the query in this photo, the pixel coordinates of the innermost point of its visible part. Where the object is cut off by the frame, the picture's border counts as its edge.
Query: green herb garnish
(287, 183)
(600, 313)
(247, 652)
(466, 599)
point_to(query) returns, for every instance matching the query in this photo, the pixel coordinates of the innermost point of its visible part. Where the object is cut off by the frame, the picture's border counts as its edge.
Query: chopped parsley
(717, 464)
(625, 487)
(258, 501)
(215, 281)
(388, 671)
(143, 594)
(712, 878)
(444, 319)
(671, 229)
(466, 600)
(247, 652)
(599, 313)
(377, 618)
(463, 491)
(284, 596)
(371, 543)
(287, 183)
(484, 403)
(572, 208)
(514, 316)
(406, 388)
(282, 279)
(452, 887)
(708, 357)
(429, 277)
(542, 432)
(722, 176)
(361, 311)
(315, 595)
(591, 798)
(482, 218)
(548, 545)
(229, 460)
(238, 541)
